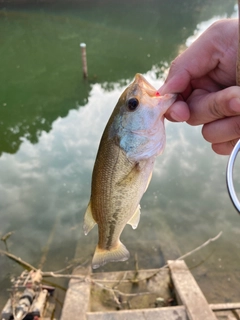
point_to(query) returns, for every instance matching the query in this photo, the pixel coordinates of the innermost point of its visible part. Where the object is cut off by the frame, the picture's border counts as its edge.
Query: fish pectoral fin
(135, 218)
(89, 222)
(131, 176)
(103, 256)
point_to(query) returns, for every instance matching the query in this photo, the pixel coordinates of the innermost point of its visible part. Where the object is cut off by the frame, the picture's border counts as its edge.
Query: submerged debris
(28, 297)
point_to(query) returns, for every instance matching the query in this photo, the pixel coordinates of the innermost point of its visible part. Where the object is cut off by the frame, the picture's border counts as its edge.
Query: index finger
(203, 56)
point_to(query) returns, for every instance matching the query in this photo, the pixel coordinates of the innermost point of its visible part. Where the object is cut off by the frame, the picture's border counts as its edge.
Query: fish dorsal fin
(135, 218)
(89, 222)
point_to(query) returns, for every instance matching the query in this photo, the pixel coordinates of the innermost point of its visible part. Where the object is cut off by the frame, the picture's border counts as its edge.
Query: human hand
(204, 75)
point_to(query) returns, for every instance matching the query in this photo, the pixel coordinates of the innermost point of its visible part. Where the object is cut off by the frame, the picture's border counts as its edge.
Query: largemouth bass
(133, 137)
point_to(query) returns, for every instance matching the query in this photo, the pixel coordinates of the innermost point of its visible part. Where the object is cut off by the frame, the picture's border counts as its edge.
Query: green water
(51, 121)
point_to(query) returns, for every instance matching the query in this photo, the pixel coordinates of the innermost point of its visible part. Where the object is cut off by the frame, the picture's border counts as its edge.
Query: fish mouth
(141, 87)
(145, 85)
(139, 80)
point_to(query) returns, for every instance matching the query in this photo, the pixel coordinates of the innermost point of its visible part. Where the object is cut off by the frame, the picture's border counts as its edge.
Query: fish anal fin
(135, 218)
(89, 222)
(103, 256)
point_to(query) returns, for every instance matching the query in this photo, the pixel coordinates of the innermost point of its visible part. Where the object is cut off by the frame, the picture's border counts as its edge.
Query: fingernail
(234, 105)
(162, 90)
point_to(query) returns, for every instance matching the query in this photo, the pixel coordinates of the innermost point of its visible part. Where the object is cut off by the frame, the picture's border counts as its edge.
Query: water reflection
(202, 26)
(40, 59)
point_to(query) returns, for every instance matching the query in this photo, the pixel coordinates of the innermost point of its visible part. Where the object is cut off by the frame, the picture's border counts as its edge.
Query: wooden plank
(225, 306)
(237, 312)
(223, 312)
(226, 315)
(166, 313)
(77, 298)
(49, 308)
(189, 292)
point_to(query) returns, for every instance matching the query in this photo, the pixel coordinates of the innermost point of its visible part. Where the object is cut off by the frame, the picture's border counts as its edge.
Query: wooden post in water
(84, 60)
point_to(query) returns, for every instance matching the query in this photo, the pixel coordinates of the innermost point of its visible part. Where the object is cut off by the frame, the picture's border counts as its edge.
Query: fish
(132, 139)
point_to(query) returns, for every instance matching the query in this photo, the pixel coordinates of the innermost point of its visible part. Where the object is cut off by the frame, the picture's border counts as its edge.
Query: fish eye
(132, 104)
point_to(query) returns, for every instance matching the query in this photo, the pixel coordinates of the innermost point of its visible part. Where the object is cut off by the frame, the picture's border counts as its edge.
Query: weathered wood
(237, 313)
(39, 303)
(166, 313)
(49, 308)
(226, 315)
(189, 292)
(103, 305)
(225, 306)
(77, 298)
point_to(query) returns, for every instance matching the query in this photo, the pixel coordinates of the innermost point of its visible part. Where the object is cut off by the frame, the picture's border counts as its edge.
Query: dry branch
(98, 282)
(25, 264)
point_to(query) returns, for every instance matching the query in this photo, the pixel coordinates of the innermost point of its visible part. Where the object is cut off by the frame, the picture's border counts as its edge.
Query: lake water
(51, 121)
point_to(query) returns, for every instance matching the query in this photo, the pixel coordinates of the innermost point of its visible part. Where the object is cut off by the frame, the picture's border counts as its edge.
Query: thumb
(177, 81)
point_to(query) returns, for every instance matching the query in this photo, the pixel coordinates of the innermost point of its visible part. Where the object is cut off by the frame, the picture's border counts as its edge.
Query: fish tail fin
(103, 256)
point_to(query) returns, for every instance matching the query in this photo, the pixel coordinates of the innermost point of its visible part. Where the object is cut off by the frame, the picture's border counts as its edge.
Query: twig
(112, 290)
(64, 269)
(135, 280)
(58, 274)
(121, 280)
(120, 292)
(5, 237)
(54, 275)
(185, 255)
(27, 265)
(200, 247)
(113, 281)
